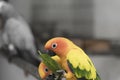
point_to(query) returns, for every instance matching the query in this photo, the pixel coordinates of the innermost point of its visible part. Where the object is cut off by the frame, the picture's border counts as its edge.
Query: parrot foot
(11, 57)
(68, 75)
(60, 71)
(60, 74)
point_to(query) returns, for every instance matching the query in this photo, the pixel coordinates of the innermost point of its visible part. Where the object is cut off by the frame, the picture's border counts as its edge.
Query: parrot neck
(12, 16)
(62, 55)
(63, 58)
(12, 13)
(64, 52)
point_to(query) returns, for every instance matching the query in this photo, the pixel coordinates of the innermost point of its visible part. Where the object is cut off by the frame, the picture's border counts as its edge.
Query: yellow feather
(78, 58)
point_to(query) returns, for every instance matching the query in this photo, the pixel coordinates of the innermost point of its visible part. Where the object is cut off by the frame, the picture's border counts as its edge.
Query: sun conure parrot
(73, 59)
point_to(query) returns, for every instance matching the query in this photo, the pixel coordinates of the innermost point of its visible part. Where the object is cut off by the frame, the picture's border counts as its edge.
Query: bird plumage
(44, 71)
(74, 60)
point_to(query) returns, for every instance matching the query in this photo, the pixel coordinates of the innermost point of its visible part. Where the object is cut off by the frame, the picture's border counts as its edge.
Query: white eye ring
(46, 69)
(54, 45)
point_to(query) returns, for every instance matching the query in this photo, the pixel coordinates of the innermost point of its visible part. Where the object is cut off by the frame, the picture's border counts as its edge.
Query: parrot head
(45, 73)
(59, 45)
(7, 10)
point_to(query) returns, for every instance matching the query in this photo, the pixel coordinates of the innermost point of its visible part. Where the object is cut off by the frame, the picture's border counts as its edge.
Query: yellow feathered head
(43, 70)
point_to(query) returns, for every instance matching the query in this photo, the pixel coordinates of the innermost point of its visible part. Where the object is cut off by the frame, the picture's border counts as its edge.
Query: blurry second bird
(17, 32)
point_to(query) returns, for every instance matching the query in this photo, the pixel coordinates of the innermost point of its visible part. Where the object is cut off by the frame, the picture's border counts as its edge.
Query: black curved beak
(49, 52)
(51, 77)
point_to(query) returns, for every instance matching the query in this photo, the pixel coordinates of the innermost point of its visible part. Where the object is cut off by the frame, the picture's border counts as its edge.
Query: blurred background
(94, 25)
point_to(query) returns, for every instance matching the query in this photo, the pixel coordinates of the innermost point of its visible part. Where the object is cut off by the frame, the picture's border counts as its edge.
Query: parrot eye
(54, 45)
(46, 69)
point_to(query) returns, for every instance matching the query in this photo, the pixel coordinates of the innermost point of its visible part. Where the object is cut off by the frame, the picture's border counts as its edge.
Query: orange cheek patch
(41, 70)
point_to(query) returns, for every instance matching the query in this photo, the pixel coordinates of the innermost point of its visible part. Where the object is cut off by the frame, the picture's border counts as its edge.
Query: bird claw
(60, 71)
(59, 74)
(68, 75)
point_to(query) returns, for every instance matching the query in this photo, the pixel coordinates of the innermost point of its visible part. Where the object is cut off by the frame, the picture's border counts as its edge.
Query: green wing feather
(81, 65)
(50, 63)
